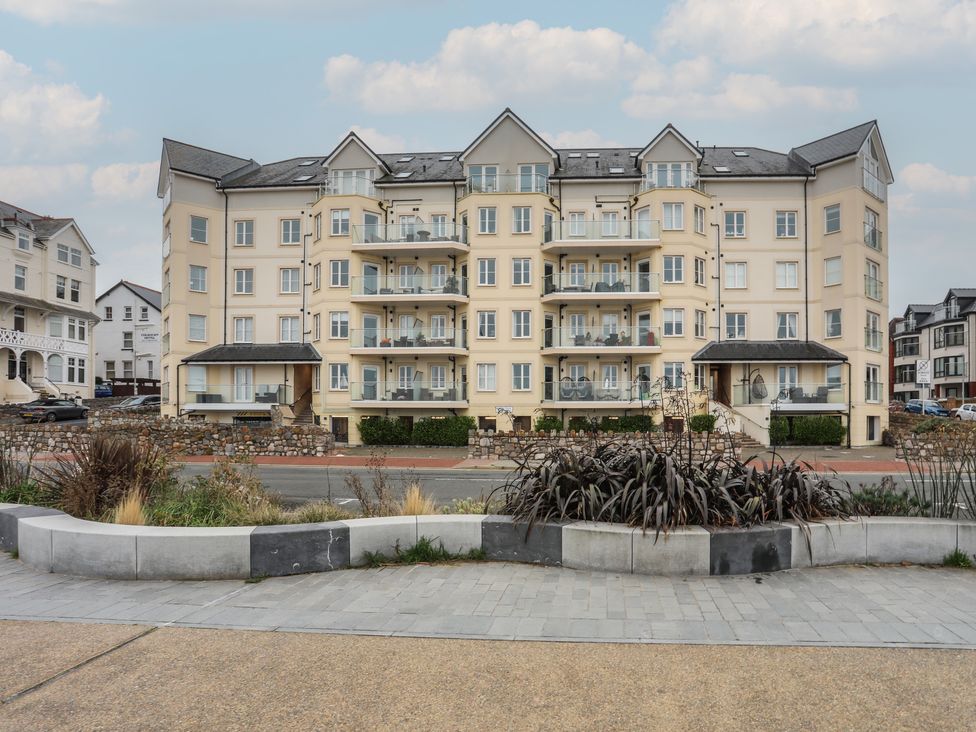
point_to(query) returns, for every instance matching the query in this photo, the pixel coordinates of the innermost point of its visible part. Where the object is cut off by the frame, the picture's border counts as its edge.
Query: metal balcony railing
(606, 336)
(416, 232)
(603, 230)
(36, 342)
(418, 284)
(242, 393)
(872, 236)
(408, 338)
(601, 283)
(409, 391)
(872, 339)
(873, 287)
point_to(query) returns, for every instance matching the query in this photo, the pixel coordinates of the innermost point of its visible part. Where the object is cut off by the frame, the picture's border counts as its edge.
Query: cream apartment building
(47, 297)
(511, 279)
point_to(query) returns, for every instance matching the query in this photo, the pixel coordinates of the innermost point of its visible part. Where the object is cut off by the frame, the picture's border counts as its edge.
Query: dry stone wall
(920, 438)
(517, 445)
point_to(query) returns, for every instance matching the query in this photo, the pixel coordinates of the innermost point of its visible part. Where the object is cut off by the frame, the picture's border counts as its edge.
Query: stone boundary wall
(177, 436)
(949, 437)
(51, 541)
(516, 445)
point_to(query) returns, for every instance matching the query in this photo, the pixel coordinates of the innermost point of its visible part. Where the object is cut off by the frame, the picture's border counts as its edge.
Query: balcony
(601, 235)
(507, 183)
(872, 236)
(950, 369)
(905, 326)
(946, 312)
(236, 397)
(393, 341)
(953, 339)
(605, 339)
(873, 287)
(808, 397)
(872, 339)
(905, 377)
(626, 286)
(413, 394)
(874, 185)
(687, 180)
(354, 185)
(872, 391)
(416, 237)
(584, 393)
(412, 287)
(904, 350)
(16, 339)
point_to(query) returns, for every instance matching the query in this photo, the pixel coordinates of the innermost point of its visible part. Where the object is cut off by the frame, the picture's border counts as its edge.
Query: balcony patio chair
(822, 394)
(579, 340)
(619, 286)
(584, 388)
(601, 286)
(797, 396)
(567, 389)
(613, 339)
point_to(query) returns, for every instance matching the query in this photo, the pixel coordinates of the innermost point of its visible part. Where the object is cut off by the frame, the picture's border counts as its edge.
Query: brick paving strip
(830, 606)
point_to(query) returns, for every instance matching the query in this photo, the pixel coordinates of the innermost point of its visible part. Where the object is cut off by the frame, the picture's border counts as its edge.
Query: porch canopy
(767, 351)
(13, 299)
(255, 353)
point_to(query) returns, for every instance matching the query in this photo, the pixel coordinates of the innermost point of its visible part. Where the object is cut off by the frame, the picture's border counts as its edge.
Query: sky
(88, 89)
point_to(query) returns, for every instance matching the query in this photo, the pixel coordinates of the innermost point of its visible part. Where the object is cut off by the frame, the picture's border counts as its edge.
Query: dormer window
(872, 172)
(23, 241)
(671, 175)
(353, 182)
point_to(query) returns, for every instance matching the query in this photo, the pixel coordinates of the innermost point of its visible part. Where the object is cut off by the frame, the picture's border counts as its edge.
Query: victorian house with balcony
(512, 279)
(46, 306)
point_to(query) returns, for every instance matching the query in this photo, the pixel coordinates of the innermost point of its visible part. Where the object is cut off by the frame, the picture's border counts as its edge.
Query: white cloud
(38, 118)
(379, 141)
(578, 138)
(125, 181)
(487, 66)
(855, 33)
(55, 11)
(927, 178)
(20, 184)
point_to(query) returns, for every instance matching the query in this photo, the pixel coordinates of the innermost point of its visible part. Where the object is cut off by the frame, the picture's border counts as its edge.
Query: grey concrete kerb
(55, 542)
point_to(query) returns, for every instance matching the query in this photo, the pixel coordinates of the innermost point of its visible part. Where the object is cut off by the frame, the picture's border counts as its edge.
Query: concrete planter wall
(52, 541)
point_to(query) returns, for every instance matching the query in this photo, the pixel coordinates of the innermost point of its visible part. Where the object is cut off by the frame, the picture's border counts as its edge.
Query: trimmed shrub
(779, 430)
(628, 423)
(384, 431)
(817, 430)
(548, 423)
(582, 424)
(702, 422)
(447, 432)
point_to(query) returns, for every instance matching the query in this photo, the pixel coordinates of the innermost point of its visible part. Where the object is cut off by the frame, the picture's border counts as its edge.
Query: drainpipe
(226, 261)
(850, 401)
(304, 283)
(718, 279)
(806, 272)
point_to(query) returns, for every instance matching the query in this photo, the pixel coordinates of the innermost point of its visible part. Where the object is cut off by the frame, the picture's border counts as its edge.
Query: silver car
(967, 413)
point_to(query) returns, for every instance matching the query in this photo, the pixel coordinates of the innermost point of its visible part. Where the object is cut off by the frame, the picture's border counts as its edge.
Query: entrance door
(548, 388)
(340, 429)
(243, 384)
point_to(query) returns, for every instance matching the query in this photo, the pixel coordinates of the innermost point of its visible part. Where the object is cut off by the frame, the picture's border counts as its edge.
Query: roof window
(445, 158)
(303, 178)
(740, 153)
(405, 159)
(721, 169)
(306, 163)
(404, 174)
(616, 169)
(592, 155)
(576, 155)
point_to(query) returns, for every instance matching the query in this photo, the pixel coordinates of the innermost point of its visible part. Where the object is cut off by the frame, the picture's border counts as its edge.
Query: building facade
(128, 338)
(47, 297)
(941, 335)
(511, 280)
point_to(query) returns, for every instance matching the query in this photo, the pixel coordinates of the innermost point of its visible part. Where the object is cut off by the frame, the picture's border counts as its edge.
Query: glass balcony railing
(251, 394)
(872, 287)
(785, 394)
(905, 326)
(606, 336)
(604, 230)
(608, 390)
(688, 180)
(874, 185)
(507, 183)
(872, 339)
(946, 369)
(416, 232)
(164, 392)
(412, 284)
(354, 185)
(945, 312)
(410, 391)
(872, 236)
(903, 349)
(408, 338)
(872, 391)
(601, 283)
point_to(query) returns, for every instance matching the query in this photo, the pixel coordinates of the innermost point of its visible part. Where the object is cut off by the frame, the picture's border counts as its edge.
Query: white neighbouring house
(47, 299)
(128, 338)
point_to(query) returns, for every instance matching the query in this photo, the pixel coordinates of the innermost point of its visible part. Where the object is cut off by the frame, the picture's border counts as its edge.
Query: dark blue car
(928, 407)
(104, 389)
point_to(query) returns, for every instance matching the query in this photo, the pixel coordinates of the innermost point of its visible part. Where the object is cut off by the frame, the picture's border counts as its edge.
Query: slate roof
(749, 351)
(199, 160)
(758, 162)
(257, 353)
(150, 296)
(836, 146)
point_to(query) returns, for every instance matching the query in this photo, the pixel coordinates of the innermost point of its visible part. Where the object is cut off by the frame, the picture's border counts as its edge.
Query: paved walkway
(837, 606)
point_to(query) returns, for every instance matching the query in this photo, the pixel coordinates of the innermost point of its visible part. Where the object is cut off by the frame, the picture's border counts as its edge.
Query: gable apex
(508, 114)
(349, 139)
(670, 129)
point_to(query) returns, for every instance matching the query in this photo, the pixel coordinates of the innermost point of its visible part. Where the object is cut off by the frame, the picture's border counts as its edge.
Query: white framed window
(521, 324)
(405, 377)
(291, 231)
(338, 377)
(832, 219)
(438, 226)
(832, 324)
(438, 326)
(316, 378)
(316, 326)
(339, 324)
(786, 275)
(487, 220)
(244, 233)
(24, 243)
(522, 220)
(317, 226)
(64, 252)
(288, 329)
(339, 273)
(290, 281)
(198, 229)
(438, 377)
(609, 376)
(74, 291)
(674, 375)
(196, 329)
(674, 216)
(340, 222)
(60, 284)
(486, 271)
(833, 271)
(872, 383)
(20, 277)
(108, 313)
(786, 326)
(109, 370)
(872, 339)
(674, 321)
(486, 323)
(521, 376)
(198, 281)
(196, 378)
(735, 275)
(872, 230)
(674, 268)
(786, 224)
(699, 271)
(699, 220)
(671, 175)
(127, 312)
(317, 276)
(735, 326)
(486, 377)
(521, 271)
(834, 375)
(143, 313)
(701, 376)
(735, 224)
(577, 223)
(150, 369)
(701, 329)
(75, 257)
(244, 329)
(610, 224)
(127, 334)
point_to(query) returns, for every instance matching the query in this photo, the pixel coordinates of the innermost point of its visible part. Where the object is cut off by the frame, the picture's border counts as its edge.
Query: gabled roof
(257, 353)
(147, 294)
(961, 293)
(507, 113)
(837, 146)
(200, 161)
(756, 162)
(43, 227)
(350, 138)
(670, 129)
(283, 173)
(750, 351)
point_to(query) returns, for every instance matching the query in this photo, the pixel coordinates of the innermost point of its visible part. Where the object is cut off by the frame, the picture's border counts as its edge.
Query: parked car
(134, 402)
(896, 406)
(51, 410)
(104, 389)
(928, 407)
(967, 413)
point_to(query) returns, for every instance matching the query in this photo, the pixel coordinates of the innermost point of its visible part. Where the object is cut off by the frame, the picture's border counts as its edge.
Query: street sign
(923, 372)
